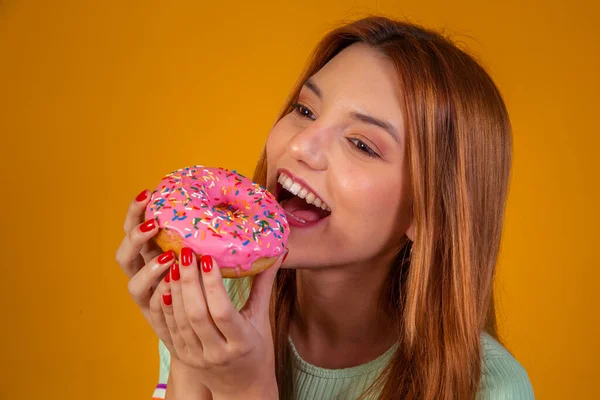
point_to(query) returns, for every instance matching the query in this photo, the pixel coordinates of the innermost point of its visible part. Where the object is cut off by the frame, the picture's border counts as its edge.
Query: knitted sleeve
(503, 377)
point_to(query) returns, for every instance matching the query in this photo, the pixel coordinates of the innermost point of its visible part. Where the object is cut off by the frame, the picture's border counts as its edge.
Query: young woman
(390, 295)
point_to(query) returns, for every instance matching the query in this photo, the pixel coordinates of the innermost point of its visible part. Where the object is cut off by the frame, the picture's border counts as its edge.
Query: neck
(340, 314)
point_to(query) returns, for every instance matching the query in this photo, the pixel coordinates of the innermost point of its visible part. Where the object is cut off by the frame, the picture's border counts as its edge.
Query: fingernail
(175, 272)
(167, 299)
(168, 277)
(166, 257)
(207, 263)
(148, 226)
(284, 257)
(186, 256)
(142, 196)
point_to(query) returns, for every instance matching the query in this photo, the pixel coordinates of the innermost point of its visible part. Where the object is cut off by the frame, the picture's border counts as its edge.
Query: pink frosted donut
(219, 213)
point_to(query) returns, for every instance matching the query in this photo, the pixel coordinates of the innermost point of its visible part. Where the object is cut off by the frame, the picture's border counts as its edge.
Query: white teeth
(287, 183)
(296, 189)
(302, 193)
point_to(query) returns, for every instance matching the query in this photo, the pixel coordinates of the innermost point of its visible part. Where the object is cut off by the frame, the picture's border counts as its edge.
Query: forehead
(362, 78)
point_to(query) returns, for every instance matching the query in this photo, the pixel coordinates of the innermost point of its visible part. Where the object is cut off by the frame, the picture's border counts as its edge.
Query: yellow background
(99, 99)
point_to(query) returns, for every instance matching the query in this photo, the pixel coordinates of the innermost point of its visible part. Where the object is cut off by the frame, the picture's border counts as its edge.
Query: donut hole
(228, 209)
(225, 207)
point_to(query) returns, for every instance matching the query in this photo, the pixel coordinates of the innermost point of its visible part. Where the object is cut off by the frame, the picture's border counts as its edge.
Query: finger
(225, 316)
(135, 216)
(194, 301)
(150, 250)
(157, 313)
(184, 325)
(168, 308)
(260, 294)
(136, 211)
(128, 254)
(142, 284)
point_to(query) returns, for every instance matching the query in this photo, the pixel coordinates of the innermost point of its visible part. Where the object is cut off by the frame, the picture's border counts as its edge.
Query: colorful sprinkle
(229, 206)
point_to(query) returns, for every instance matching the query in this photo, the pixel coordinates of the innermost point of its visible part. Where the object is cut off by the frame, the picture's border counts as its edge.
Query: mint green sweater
(502, 375)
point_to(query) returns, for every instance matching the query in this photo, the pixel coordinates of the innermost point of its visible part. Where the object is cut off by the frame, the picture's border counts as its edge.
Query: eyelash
(368, 151)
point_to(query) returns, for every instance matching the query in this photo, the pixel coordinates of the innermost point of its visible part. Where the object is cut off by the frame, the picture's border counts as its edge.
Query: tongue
(301, 209)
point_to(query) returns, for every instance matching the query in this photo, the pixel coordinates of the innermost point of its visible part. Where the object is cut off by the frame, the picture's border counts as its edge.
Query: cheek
(276, 141)
(367, 189)
(370, 201)
(274, 146)
(380, 201)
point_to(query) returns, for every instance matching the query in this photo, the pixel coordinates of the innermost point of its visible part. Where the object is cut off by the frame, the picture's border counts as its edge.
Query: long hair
(459, 148)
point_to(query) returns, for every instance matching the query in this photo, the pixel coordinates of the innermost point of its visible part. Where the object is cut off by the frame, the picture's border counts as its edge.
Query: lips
(303, 192)
(298, 187)
(297, 222)
(302, 206)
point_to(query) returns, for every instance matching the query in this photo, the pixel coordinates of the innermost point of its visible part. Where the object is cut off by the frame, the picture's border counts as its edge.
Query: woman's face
(330, 145)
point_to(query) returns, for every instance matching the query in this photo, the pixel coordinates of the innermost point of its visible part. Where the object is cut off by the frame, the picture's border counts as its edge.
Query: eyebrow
(313, 86)
(367, 119)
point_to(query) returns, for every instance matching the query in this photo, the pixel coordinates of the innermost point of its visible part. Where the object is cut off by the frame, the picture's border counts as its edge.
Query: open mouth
(302, 208)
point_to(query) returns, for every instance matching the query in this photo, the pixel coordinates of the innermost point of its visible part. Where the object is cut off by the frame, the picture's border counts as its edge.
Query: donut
(220, 213)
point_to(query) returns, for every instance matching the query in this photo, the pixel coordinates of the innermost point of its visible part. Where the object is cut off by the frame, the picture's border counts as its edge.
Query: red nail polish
(186, 256)
(168, 277)
(142, 196)
(175, 272)
(148, 226)
(207, 263)
(167, 299)
(284, 257)
(166, 257)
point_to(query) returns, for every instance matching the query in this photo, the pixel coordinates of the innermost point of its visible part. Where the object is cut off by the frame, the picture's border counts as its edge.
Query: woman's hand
(231, 350)
(145, 265)
(141, 259)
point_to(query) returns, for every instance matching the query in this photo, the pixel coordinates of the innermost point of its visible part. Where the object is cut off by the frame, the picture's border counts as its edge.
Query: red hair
(459, 147)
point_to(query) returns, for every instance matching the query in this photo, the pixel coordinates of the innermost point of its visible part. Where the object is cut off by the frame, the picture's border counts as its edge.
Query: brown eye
(303, 111)
(362, 147)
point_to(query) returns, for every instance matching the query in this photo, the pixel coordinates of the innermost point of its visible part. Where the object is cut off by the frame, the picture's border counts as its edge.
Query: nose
(309, 147)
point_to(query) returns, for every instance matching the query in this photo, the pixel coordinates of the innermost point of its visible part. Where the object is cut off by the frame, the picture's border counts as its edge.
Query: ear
(411, 231)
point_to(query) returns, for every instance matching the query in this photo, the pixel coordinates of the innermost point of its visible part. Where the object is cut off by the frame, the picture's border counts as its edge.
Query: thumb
(260, 295)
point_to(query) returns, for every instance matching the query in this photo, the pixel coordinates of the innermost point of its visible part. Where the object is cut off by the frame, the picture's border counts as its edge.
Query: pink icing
(247, 224)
